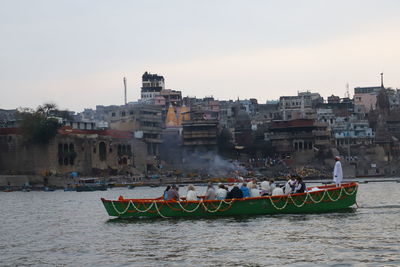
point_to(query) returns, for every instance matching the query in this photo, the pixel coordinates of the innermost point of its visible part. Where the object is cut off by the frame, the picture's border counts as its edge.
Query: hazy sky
(75, 53)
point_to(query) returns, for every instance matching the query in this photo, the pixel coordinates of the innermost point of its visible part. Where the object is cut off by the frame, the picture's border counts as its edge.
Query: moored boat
(318, 199)
(90, 184)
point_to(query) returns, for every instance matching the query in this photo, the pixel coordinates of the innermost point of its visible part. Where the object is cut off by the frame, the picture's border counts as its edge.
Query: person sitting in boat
(191, 193)
(251, 183)
(289, 186)
(268, 187)
(254, 191)
(173, 193)
(235, 192)
(210, 193)
(166, 192)
(245, 190)
(264, 188)
(221, 192)
(300, 185)
(278, 191)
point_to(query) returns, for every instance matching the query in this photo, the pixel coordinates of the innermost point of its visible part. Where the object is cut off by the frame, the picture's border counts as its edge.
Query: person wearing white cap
(337, 172)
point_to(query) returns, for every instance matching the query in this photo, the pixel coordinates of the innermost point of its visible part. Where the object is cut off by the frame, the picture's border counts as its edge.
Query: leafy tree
(40, 126)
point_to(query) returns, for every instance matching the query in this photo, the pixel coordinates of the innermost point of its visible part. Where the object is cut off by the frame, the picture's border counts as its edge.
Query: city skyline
(75, 53)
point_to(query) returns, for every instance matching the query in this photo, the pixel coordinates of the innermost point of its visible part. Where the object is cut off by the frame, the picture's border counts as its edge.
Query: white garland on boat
(127, 207)
(117, 211)
(213, 211)
(193, 210)
(308, 195)
(201, 202)
(158, 211)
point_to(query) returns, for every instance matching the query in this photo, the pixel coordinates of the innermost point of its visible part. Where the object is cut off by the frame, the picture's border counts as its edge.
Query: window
(102, 151)
(66, 154)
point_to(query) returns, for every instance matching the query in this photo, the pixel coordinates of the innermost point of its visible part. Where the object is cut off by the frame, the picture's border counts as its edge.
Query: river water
(72, 229)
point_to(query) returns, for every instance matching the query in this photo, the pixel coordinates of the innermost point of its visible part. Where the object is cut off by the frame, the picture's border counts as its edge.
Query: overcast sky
(75, 52)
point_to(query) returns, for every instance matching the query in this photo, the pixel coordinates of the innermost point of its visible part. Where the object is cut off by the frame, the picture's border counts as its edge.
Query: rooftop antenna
(125, 89)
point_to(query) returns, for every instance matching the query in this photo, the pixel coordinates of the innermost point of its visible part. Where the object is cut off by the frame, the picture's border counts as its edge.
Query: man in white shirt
(210, 193)
(338, 172)
(221, 192)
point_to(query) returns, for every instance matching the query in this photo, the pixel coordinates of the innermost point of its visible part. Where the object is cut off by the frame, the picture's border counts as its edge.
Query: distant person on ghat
(337, 172)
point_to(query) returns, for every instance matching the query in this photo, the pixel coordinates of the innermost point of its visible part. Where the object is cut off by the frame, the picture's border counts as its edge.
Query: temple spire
(171, 119)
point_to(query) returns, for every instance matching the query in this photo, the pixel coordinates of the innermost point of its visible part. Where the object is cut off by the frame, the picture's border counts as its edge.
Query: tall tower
(125, 101)
(382, 79)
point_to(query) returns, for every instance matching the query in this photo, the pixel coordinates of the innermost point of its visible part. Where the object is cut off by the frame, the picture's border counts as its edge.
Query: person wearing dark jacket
(235, 193)
(300, 185)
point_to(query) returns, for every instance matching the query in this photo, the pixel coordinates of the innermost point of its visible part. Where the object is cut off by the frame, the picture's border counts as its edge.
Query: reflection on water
(70, 228)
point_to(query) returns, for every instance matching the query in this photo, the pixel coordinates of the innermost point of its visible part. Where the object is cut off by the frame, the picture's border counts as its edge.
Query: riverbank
(38, 182)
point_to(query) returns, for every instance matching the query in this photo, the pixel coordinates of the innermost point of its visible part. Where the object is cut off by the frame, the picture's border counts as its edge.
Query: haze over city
(75, 53)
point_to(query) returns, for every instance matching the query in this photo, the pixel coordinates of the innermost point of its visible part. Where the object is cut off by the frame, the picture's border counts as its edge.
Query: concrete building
(249, 105)
(226, 115)
(267, 113)
(172, 97)
(351, 131)
(146, 123)
(299, 107)
(152, 85)
(365, 98)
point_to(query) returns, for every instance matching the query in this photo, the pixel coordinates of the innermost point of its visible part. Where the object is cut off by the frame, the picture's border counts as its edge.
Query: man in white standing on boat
(338, 172)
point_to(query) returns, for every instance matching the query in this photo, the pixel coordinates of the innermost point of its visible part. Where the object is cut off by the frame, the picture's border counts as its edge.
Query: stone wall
(68, 153)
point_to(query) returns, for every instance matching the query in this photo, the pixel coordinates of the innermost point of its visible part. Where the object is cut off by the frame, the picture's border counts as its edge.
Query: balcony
(322, 142)
(200, 143)
(321, 133)
(200, 135)
(151, 129)
(152, 140)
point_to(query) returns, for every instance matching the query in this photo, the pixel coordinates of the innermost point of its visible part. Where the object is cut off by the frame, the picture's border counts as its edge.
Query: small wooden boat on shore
(318, 199)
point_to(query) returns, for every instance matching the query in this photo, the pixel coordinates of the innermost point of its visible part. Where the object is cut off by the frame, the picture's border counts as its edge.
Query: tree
(40, 126)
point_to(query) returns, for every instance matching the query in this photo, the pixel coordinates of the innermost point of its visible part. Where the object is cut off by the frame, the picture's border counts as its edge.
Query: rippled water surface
(73, 229)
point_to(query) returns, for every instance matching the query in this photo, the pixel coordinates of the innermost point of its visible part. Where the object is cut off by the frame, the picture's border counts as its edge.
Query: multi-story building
(288, 137)
(352, 131)
(152, 85)
(365, 98)
(172, 97)
(199, 135)
(299, 107)
(267, 113)
(249, 105)
(144, 120)
(208, 106)
(226, 119)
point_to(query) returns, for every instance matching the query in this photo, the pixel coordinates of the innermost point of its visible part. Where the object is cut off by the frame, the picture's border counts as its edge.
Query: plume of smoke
(213, 165)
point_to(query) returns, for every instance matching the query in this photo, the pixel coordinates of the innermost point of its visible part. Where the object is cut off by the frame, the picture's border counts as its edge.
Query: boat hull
(328, 199)
(89, 188)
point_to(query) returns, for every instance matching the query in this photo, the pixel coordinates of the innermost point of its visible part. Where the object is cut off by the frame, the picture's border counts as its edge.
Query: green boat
(318, 199)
